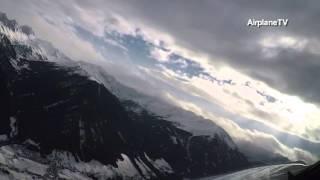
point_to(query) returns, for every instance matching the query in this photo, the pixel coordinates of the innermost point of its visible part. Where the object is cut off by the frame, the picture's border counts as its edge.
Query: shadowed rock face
(4, 105)
(59, 108)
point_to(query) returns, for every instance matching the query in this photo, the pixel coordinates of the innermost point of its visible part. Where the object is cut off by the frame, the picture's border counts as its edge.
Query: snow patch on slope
(160, 164)
(15, 35)
(13, 126)
(17, 162)
(124, 167)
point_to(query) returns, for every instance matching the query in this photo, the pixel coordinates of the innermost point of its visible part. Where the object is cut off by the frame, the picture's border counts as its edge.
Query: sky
(259, 84)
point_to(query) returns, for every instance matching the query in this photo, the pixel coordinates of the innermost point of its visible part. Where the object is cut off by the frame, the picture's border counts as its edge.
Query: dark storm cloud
(218, 28)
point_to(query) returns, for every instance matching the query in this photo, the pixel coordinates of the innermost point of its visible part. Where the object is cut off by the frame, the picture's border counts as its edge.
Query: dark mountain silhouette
(312, 172)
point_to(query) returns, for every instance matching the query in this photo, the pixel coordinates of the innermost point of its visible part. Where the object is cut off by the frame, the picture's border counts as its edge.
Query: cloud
(259, 146)
(206, 27)
(255, 144)
(262, 146)
(160, 54)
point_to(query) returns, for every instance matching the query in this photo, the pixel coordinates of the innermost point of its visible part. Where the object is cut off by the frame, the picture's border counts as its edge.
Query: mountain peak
(14, 26)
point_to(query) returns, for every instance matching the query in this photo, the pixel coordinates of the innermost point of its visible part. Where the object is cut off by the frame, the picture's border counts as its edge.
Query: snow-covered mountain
(57, 122)
(183, 119)
(271, 172)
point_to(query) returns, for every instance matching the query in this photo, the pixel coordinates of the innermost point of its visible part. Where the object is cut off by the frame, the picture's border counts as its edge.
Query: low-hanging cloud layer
(259, 84)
